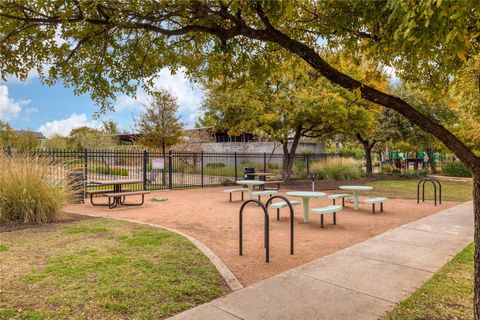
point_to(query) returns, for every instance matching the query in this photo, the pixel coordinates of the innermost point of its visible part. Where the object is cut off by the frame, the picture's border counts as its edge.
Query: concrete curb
(222, 268)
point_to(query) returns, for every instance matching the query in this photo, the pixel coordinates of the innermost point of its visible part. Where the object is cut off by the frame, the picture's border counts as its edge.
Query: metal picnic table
(250, 184)
(117, 185)
(355, 190)
(306, 196)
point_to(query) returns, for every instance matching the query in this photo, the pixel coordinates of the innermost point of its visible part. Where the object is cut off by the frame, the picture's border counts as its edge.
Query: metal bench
(231, 191)
(270, 182)
(264, 193)
(92, 193)
(339, 196)
(117, 198)
(326, 210)
(380, 200)
(282, 204)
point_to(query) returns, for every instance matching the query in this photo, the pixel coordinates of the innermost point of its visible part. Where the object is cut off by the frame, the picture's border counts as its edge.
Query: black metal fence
(174, 170)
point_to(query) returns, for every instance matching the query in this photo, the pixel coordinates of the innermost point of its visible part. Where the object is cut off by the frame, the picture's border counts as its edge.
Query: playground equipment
(434, 182)
(312, 177)
(266, 232)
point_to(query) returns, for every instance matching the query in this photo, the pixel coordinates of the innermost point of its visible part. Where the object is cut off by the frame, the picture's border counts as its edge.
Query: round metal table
(250, 184)
(306, 196)
(355, 190)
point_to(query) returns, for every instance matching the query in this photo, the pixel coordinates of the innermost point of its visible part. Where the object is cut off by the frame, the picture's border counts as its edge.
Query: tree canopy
(159, 124)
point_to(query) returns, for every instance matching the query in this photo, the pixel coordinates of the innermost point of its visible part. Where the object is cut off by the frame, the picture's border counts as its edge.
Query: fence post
(307, 160)
(236, 173)
(264, 162)
(145, 160)
(85, 157)
(201, 166)
(170, 184)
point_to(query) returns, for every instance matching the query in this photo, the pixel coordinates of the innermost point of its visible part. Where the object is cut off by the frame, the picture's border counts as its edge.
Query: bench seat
(282, 204)
(375, 200)
(339, 196)
(90, 192)
(264, 193)
(126, 193)
(327, 210)
(230, 191)
(117, 197)
(269, 182)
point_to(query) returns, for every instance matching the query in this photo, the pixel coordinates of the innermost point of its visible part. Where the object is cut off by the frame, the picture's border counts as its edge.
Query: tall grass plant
(29, 191)
(338, 169)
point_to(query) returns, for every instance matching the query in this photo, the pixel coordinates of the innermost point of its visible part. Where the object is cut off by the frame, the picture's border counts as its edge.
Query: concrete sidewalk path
(361, 282)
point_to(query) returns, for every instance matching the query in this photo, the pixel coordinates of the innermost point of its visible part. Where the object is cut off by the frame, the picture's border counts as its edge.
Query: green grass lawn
(447, 295)
(102, 269)
(407, 189)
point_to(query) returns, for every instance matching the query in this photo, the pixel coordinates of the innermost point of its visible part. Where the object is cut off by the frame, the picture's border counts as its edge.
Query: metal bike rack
(266, 234)
(267, 225)
(434, 182)
(291, 217)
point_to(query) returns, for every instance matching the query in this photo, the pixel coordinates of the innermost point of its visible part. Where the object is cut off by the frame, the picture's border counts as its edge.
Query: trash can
(76, 185)
(247, 173)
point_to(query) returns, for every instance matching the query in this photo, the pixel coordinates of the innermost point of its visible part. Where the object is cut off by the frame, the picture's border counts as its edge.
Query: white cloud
(64, 126)
(32, 74)
(189, 96)
(10, 108)
(31, 110)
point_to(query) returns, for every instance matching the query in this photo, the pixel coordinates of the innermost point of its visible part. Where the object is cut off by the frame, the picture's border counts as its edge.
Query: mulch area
(207, 215)
(64, 219)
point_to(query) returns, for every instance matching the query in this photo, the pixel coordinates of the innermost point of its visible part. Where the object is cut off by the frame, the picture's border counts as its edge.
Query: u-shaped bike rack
(266, 234)
(434, 182)
(266, 226)
(291, 217)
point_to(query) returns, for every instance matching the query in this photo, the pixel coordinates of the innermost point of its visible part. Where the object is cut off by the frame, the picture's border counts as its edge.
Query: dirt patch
(207, 215)
(64, 219)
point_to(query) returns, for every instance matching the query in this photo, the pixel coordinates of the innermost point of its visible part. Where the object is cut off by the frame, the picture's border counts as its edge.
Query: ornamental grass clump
(29, 192)
(338, 169)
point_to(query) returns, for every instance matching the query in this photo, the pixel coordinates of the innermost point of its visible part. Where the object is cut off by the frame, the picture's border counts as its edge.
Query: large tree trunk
(476, 209)
(367, 148)
(289, 155)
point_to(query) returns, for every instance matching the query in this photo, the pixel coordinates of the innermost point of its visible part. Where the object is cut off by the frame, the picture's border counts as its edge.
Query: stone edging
(222, 268)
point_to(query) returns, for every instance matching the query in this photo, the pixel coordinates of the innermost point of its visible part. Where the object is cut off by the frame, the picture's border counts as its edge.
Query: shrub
(338, 169)
(215, 165)
(110, 171)
(414, 174)
(300, 168)
(28, 192)
(386, 168)
(456, 169)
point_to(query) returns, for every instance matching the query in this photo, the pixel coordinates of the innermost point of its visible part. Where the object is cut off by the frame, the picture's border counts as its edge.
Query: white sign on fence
(158, 163)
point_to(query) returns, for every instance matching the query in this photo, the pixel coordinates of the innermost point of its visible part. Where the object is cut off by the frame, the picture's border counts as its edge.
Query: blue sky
(31, 105)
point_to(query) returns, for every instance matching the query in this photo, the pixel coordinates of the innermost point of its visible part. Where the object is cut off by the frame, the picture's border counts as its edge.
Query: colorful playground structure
(404, 160)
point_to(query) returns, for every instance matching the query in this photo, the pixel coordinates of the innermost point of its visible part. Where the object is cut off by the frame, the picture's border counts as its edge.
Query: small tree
(56, 141)
(6, 134)
(90, 138)
(159, 125)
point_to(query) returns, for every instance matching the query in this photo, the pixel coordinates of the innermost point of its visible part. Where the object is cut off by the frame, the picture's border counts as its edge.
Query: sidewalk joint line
(412, 244)
(226, 311)
(440, 233)
(389, 262)
(436, 232)
(346, 288)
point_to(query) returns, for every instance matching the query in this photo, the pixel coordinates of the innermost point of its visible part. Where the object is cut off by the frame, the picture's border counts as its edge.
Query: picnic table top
(115, 182)
(306, 194)
(264, 174)
(250, 182)
(356, 188)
